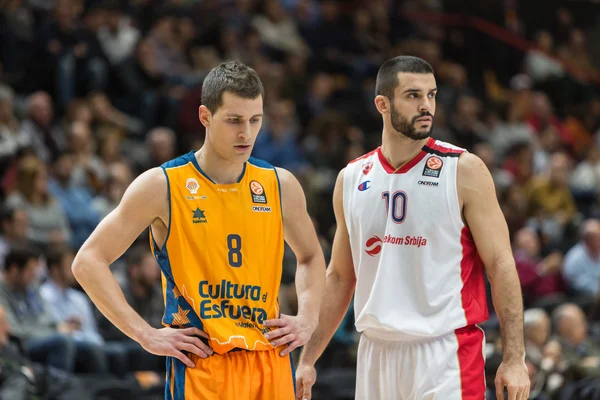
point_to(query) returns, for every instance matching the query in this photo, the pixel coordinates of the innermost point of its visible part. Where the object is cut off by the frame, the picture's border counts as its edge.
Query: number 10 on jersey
(396, 203)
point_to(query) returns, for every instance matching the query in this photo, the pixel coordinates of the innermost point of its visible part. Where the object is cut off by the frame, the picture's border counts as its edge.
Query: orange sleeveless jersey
(222, 259)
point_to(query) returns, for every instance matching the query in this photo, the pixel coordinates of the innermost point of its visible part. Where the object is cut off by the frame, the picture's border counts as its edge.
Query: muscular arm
(301, 237)
(484, 218)
(142, 203)
(339, 286)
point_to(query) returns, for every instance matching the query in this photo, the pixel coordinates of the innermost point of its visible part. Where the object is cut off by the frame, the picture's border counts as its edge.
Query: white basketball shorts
(449, 367)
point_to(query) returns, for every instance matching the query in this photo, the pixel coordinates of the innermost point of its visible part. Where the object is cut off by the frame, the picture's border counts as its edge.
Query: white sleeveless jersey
(418, 272)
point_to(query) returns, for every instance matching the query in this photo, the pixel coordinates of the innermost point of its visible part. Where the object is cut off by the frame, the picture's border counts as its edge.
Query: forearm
(508, 303)
(310, 282)
(97, 280)
(338, 294)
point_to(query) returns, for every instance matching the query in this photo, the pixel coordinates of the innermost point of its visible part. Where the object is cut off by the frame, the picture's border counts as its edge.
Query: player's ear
(383, 104)
(204, 115)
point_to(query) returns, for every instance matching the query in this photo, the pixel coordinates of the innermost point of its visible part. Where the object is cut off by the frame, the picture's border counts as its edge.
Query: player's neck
(398, 149)
(218, 169)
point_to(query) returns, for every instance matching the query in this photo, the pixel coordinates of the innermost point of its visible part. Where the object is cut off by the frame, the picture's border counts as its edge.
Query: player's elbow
(341, 275)
(83, 262)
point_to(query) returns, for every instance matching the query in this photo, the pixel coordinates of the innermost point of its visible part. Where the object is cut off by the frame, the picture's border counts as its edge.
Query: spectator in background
(582, 262)
(541, 63)
(74, 200)
(65, 304)
(88, 170)
(47, 222)
(143, 292)
(278, 31)
(47, 139)
(21, 379)
(119, 179)
(12, 137)
(540, 277)
(14, 225)
(537, 329)
(118, 37)
(551, 204)
(44, 340)
(581, 352)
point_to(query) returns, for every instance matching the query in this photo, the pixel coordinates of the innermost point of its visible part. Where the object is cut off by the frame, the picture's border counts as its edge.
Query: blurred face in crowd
(559, 170)
(572, 326)
(591, 236)
(40, 109)
(161, 145)
(80, 138)
(63, 168)
(21, 279)
(6, 107)
(232, 129)
(538, 331)
(62, 273)
(17, 227)
(528, 241)
(4, 328)
(413, 106)
(146, 273)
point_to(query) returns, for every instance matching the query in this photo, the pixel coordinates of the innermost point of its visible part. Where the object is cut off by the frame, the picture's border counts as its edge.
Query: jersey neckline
(192, 158)
(407, 166)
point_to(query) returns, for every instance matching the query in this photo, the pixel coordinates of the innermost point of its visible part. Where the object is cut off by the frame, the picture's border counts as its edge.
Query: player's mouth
(424, 120)
(243, 147)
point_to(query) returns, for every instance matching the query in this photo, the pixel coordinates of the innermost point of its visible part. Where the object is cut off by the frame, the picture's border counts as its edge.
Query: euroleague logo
(373, 246)
(435, 162)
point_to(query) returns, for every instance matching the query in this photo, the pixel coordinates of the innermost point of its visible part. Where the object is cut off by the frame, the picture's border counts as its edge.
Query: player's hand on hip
(514, 376)
(293, 331)
(176, 343)
(306, 376)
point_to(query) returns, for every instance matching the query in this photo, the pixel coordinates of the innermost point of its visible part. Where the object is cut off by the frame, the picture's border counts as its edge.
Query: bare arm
(144, 202)
(300, 234)
(484, 218)
(339, 286)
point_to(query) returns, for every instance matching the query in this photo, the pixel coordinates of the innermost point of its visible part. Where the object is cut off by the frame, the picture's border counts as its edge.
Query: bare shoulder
(474, 179)
(472, 171)
(150, 191)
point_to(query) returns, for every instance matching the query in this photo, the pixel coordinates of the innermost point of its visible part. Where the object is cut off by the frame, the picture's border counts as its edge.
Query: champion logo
(364, 186)
(373, 246)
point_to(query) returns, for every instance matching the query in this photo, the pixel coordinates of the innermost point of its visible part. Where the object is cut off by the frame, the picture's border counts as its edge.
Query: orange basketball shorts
(236, 375)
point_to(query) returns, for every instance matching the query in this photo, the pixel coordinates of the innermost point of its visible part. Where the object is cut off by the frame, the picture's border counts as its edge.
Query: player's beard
(407, 128)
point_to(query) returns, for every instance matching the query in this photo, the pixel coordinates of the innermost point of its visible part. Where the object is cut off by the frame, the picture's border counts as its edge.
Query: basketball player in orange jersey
(218, 220)
(417, 222)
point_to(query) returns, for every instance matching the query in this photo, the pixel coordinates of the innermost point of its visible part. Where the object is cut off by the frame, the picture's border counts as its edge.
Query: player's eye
(432, 95)
(233, 121)
(412, 96)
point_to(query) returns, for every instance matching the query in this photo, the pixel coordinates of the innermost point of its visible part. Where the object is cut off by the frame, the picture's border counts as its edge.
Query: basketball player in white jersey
(417, 223)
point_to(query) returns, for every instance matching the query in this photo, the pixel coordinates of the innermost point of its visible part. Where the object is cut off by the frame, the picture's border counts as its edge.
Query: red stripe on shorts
(471, 362)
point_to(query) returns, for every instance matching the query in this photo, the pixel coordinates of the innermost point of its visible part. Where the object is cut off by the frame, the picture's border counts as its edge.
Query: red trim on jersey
(433, 145)
(471, 362)
(363, 156)
(474, 300)
(389, 168)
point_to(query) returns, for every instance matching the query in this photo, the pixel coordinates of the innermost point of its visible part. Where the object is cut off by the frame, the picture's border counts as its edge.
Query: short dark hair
(56, 255)
(234, 77)
(387, 76)
(19, 257)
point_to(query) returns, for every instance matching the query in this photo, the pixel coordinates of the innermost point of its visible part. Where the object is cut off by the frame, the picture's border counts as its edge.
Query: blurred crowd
(93, 92)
